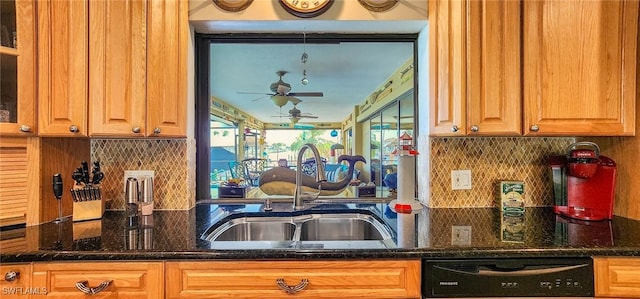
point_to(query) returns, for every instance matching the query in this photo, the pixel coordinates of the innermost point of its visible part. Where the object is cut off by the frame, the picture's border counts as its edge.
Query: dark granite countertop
(428, 233)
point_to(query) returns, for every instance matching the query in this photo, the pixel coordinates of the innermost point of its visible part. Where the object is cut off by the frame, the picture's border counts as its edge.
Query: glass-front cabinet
(17, 68)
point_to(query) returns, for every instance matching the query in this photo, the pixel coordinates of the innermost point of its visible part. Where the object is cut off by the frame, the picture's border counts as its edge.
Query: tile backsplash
(492, 159)
(172, 160)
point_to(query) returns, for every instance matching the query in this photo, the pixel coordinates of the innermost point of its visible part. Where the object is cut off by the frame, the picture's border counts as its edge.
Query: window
(379, 54)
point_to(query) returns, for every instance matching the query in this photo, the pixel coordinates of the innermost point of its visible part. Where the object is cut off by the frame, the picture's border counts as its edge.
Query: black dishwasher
(511, 277)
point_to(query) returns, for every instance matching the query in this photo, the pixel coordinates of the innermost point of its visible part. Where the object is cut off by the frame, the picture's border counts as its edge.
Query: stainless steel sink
(307, 230)
(342, 227)
(255, 229)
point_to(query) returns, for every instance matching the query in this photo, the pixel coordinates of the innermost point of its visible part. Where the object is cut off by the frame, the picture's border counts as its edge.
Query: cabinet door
(63, 67)
(326, 279)
(17, 66)
(127, 279)
(617, 277)
(494, 69)
(447, 68)
(580, 67)
(16, 281)
(117, 66)
(167, 68)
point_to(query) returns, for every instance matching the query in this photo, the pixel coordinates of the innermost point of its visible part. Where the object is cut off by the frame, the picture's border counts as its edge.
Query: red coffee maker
(583, 183)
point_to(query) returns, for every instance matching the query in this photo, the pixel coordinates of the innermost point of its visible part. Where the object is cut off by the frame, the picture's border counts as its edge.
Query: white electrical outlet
(461, 235)
(138, 174)
(461, 179)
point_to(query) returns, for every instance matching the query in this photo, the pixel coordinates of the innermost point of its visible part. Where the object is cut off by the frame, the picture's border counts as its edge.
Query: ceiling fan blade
(306, 94)
(294, 100)
(260, 98)
(245, 92)
(308, 116)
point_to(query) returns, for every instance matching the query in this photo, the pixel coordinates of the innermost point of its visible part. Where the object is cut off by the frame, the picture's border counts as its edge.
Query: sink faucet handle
(267, 204)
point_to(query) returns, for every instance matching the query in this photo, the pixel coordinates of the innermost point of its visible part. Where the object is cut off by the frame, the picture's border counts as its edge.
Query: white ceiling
(346, 73)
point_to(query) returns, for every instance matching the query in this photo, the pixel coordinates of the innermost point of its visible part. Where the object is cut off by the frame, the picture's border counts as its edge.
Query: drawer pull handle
(11, 276)
(292, 289)
(83, 287)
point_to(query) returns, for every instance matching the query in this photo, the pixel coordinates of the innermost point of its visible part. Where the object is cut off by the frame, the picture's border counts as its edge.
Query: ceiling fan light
(305, 81)
(294, 120)
(279, 100)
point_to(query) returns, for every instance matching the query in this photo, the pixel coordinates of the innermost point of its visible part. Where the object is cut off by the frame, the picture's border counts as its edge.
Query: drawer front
(18, 286)
(128, 279)
(326, 279)
(617, 277)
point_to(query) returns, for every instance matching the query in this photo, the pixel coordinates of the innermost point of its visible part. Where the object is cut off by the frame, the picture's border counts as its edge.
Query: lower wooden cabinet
(15, 281)
(304, 279)
(617, 277)
(67, 280)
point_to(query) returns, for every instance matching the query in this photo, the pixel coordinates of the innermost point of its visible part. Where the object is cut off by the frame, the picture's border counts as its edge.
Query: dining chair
(253, 168)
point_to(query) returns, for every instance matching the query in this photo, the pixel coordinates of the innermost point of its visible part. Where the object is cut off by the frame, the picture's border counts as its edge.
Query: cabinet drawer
(617, 277)
(19, 287)
(128, 279)
(326, 279)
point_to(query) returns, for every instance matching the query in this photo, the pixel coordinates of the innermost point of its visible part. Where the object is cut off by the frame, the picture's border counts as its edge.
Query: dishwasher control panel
(513, 277)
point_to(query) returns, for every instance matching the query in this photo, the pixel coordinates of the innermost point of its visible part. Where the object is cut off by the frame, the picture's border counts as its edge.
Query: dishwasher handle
(528, 272)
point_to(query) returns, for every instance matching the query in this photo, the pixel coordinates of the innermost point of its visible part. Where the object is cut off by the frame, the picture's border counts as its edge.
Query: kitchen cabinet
(121, 75)
(580, 67)
(475, 68)
(617, 277)
(146, 95)
(16, 281)
(578, 70)
(105, 279)
(19, 161)
(18, 68)
(62, 61)
(324, 279)
(168, 39)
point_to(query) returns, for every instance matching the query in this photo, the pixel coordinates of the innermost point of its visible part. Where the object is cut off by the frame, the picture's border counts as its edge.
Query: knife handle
(57, 186)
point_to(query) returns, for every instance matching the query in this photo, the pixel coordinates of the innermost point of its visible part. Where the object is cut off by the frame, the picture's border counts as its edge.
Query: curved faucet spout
(299, 196)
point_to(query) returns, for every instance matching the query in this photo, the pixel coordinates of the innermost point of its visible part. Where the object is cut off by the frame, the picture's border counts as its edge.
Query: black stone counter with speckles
(428, 233)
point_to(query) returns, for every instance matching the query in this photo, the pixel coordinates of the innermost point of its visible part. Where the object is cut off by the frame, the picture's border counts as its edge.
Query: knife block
(87, 203)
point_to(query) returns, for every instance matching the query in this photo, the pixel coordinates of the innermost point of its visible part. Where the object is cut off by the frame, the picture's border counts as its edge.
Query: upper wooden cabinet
(447, 68)
(168, 38)
(580, 67)
(577, 76)
(475, 68)
(62, 67)
(18, 68)
(117, 67)
(121, 75)
(145, 95)
(494, 86)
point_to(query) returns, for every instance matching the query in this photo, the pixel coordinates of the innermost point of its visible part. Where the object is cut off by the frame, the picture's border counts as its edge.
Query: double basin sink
(306, 230)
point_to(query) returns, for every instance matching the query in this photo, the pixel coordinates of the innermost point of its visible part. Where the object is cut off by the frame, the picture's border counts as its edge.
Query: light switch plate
(138, 174)
(461, 235)
(461, 179)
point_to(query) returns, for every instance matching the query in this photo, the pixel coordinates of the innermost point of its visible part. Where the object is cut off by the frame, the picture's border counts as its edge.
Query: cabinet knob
(454, 129)
(156, 131)
(535, 128)
(475, 128)
(83, 287)
(25, 128)
(136, 130)
(73, 129)
(292, 289)
(11, 275)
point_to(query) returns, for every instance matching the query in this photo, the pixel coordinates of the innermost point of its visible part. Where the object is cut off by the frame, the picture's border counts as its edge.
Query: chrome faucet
(299, 196)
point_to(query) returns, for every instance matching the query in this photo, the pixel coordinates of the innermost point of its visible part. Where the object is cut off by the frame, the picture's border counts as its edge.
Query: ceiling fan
(295, 114)
(281, 94)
